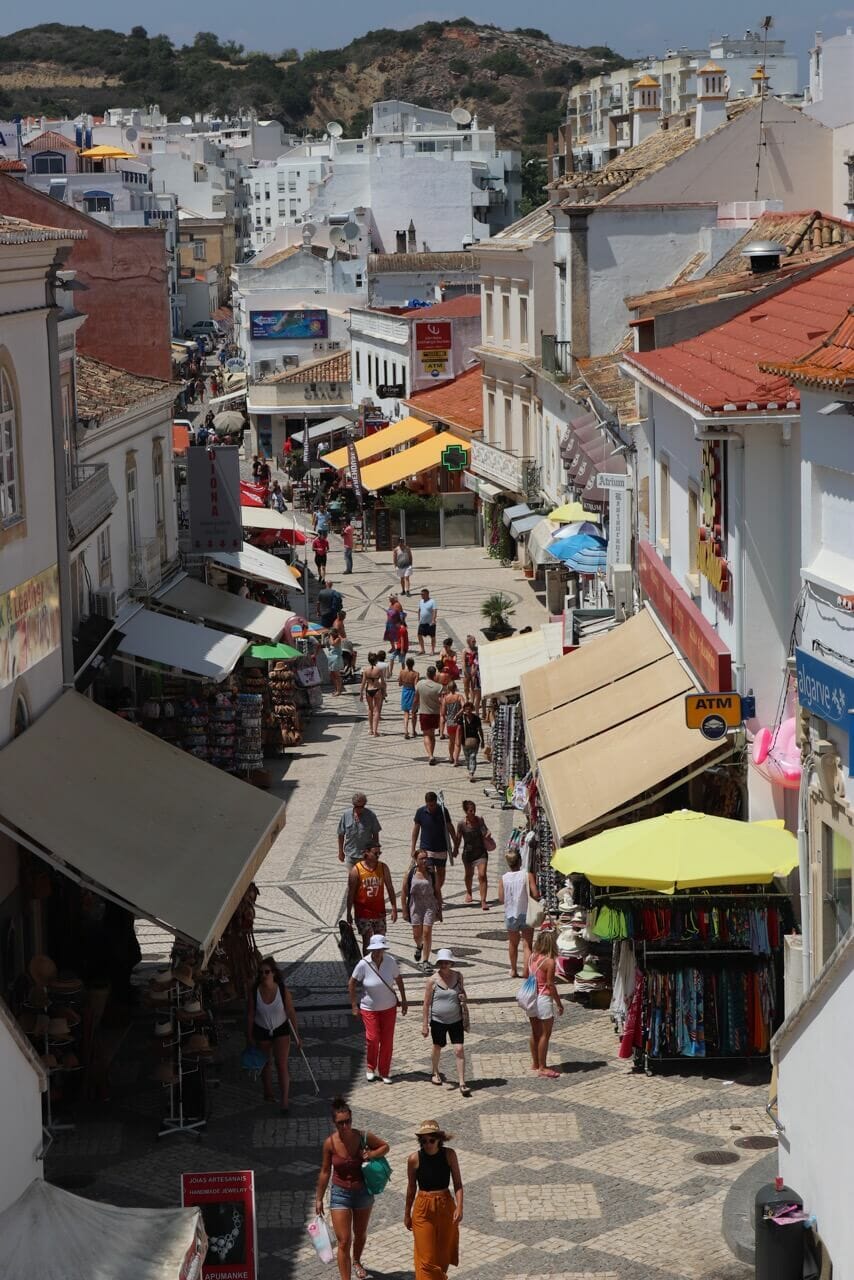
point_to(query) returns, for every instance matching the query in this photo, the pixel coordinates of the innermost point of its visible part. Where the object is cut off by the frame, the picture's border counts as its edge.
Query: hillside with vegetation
(516, 80)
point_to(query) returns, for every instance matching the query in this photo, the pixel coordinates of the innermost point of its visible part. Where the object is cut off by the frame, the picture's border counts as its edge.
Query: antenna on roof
(767, 23)
(461, 117)
(309, 231)
(330, 252)
(334, 129)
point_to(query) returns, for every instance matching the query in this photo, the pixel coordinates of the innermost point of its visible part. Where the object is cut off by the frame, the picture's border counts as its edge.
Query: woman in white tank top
(515, 887)
(271, 1024)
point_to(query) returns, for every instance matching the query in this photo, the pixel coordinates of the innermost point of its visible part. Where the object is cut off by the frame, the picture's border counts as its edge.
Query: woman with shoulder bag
(432, 1214)
(445, 1016)
(378, 1005)
(271, 1022)
(477, 844)
(517, 889)
(345, 1153)
(471, 731)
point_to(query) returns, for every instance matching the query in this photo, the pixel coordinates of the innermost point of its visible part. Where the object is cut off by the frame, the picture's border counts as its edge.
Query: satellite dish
(131, 134)
(351, 231)
(330, 252)
(459, 115)
(334, 129)
(336, 236)
(186, 119)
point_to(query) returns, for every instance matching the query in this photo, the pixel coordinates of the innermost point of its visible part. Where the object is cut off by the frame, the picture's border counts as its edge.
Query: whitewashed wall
(20, 1119)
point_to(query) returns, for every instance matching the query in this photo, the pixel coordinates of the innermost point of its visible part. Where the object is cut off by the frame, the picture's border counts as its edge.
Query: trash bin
(779, 1246)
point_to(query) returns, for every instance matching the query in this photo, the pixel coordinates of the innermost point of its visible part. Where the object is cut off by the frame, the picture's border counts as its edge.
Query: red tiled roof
(459, 402)
(738, 366)
(9, 165)
(327, 369)
(467, 304)
(830, 365)
(50, 141)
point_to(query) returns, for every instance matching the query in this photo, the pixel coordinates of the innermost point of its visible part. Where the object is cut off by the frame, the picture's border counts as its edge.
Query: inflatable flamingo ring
(777, 756)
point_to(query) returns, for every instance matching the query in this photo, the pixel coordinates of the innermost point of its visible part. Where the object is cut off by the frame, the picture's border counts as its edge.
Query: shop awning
(255, 564)
(187, 646)
(524, 524)
(261, 621)
(265, 518)
(52, 1234)
(172, 838)
(409, 462)
(231, 395)
(606, 724)
(322, 430)
(510, 514)
(504, 662)
(586, 451)
(538, 542)
(390, 437)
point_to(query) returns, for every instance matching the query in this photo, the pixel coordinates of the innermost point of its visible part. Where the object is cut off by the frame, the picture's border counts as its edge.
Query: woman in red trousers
(378, 975)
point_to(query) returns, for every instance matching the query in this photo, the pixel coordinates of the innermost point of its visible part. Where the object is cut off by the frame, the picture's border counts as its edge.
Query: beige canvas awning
(172, 838)
(615, 729)
(189, 596)
(504, 662)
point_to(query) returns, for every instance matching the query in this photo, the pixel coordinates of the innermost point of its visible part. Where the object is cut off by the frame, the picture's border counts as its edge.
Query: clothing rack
(663, 899)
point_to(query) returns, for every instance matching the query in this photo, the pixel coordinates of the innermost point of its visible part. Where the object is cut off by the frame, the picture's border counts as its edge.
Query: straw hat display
(42, 970)
(569, 943)
(38, 998)
(165, 1073)
(58, 1029)
(33, 1024)
(48, 1061)
(184, 975)
(67, 986)
(163, 1026)
(70, 1016)
(197, 1044)
(156, 997)
(70, 1062)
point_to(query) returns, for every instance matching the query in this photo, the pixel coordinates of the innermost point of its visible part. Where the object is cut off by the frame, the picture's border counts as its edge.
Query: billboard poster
(227, 1202)
(275, 326)
(433, 335)
(213, 498)
(29, 624)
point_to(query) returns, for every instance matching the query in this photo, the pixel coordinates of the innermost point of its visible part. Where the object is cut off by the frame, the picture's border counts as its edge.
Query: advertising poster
(213, 498)
(288, 325)
(227, 1202)
(434, 351)
(355, 472)
(430, 334)
(29, 624)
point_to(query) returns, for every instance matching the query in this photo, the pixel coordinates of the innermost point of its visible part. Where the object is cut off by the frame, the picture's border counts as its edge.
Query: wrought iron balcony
(90, 497)
(557, 356)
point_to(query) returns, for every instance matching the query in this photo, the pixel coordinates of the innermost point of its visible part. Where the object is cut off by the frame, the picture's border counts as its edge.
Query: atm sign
(725, 706)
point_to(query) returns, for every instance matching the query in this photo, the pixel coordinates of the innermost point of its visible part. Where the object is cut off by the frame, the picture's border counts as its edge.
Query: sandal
(465, 1091)
(436, 1080)
(359, 1272)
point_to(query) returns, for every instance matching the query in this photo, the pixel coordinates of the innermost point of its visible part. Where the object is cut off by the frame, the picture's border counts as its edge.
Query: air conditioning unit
(266, 366)
(623, 591)
(104, 603)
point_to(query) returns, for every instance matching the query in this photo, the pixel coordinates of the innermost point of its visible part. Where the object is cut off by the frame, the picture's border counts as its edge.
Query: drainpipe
(808, 767)
(63, 557)
(737, 481)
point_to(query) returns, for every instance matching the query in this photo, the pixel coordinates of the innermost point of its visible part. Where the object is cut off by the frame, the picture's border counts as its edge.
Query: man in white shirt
(427, 614)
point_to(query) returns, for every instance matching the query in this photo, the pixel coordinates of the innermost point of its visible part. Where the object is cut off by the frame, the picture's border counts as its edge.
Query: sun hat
(445, 954)
(42, 970)
(589, 973)
(192, 1008)
(165, 1073)
(58, 1029)
(378, 942)
(197, 1043)
(432, 1129)
(163, 1026)
(184, 975)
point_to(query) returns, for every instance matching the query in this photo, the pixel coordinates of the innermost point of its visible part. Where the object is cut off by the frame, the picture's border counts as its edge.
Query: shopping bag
(526, 997)
(535, 913)
(319, 1233)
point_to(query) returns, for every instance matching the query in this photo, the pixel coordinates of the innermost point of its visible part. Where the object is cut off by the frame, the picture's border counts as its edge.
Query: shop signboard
(692, 634)
(278, 326)
(434, 350)
(355, 471)
(433, 335)
(227, 1202)
(713, 713)
(213, 498)
(827, 691)
(618, 523)
(29, 624)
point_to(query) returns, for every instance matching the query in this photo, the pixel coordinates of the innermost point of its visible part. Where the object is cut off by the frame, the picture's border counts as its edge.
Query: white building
(23, 1079)
(409, 279)
(390, 350)
(601, 109)
(426, 182)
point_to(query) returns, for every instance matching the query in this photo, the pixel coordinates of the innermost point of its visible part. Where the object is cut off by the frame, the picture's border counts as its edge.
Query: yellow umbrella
(682, 850)
(105, 152)
(572, 511)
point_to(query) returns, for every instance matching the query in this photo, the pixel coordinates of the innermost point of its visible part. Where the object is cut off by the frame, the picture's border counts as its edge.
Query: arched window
(11, 494)
(49, 162)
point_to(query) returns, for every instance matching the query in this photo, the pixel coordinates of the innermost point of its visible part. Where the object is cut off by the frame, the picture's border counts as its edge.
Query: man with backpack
(329, 604)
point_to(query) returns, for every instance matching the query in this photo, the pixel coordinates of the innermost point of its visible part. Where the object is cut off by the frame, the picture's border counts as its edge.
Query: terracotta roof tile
(9, 165)
(50, 141)
(802, 235)
(602, 375)
(744, 364)
(537, 225)
(389, 263)
(105, 391)
(459, 402)
(21, 231)
(468, 304)
(654, 153)
(327, 369)
(828, 366)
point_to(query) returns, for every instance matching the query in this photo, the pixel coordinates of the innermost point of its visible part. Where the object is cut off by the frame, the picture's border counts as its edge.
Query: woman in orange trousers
(432, 1214)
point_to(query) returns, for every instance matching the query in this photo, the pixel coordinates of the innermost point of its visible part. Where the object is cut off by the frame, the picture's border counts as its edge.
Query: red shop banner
(432, 334)
(693, 635)
(227, 1202)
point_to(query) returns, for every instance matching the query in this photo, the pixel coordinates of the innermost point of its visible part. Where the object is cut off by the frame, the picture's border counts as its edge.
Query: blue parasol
(583, 553)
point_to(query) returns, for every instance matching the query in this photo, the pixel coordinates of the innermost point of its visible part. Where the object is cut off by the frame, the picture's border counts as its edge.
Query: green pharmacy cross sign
(454, 457)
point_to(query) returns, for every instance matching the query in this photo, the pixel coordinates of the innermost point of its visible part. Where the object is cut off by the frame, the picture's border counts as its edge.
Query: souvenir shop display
(509, 756)
(283, 722)
(53, 1019)
(238, 943)
(697, 973)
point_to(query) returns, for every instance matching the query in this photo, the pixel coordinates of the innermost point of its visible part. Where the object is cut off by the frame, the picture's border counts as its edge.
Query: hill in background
(516, 80)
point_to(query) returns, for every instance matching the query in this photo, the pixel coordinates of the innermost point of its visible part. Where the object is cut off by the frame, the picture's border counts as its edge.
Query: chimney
(711, 99)
(763, 256)
(646, 108)
(761, 83)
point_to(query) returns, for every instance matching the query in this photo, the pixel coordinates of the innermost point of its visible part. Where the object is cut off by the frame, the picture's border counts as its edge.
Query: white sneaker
(370, 1075)
(386, 1079)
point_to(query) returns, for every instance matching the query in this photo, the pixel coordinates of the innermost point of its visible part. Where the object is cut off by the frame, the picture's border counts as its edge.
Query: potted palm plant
(497, 609)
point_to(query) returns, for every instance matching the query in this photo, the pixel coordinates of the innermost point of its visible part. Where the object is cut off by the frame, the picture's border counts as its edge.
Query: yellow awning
(409, 462)
(381, 441)
(105, 152)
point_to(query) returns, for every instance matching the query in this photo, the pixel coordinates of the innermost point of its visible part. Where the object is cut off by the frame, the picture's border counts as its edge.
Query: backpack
(336, 601)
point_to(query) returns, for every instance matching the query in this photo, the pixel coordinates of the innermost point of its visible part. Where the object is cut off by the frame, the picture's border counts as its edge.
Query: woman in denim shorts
(350, 1202)
(515, 887)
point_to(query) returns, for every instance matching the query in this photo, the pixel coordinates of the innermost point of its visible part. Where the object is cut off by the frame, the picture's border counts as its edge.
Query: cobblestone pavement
(593, 1175)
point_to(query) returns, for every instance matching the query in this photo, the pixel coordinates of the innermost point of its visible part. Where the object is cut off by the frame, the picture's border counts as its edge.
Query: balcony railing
(90, 497)
(557, 356)
(144, 566)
